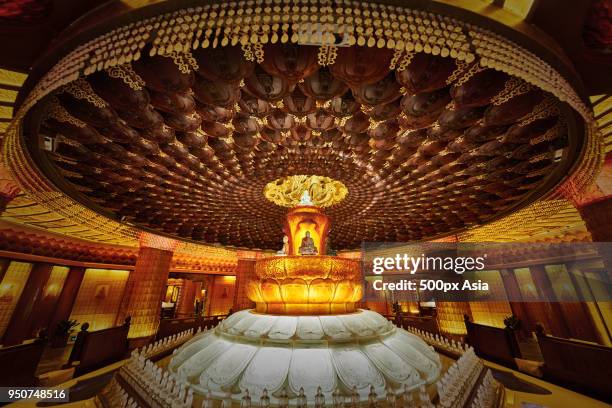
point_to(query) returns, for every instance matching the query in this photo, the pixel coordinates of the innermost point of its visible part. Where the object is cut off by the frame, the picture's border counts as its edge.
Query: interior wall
(491, 313)
(99, 297)
(221, 294)
(50, 296)
(12, 285)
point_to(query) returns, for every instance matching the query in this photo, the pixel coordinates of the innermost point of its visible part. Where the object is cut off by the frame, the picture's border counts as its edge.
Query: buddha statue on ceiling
(307, 247)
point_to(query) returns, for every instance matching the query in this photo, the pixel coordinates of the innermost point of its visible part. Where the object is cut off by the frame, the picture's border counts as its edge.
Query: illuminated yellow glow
(12, 78)
(305, 285)
(519, 7)
(6, 112)
(7, 95)
(304, 219)
(287, 191)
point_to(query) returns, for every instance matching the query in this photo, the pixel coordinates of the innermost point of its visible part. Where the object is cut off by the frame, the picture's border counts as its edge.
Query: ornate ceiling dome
(175, 123)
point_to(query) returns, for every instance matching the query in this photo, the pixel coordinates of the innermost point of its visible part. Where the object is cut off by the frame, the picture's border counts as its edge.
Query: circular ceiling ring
(436, 168)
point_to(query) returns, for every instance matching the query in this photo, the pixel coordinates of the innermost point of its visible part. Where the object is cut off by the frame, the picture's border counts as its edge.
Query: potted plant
(62, 333)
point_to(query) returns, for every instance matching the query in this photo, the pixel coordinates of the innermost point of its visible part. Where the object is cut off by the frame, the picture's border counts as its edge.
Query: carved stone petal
(233, 319)
(356, 325)
(309, 328)
(262, 374)
(190, 348)
(334, 328)
(226, 369)
(413, 357)
(192, 368)
(419, 345)
(244, 324)
(261, 327)
(312, 368)
(283, 328)
(391, 365)
(377, 322)
(354, 369)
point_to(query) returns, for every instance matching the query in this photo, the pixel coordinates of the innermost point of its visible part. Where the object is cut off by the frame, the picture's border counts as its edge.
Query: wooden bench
(19, 364)
(93, 350)
(575, 364)
(492, 343)
(169, 327)
(427, 323)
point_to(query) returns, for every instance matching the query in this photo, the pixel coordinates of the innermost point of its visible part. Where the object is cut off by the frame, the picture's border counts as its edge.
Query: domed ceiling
(184, 144)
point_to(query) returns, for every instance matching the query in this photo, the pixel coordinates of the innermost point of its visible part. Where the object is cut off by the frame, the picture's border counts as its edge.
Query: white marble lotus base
(256, 351)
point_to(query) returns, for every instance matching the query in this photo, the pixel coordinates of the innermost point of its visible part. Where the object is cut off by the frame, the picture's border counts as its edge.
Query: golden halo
(287, 191)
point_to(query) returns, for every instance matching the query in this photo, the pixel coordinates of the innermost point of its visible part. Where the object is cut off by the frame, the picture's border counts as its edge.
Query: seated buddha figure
(285, 249)
(307, 247)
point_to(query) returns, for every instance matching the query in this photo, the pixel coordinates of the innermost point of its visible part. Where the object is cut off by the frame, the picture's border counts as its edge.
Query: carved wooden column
(515, 298)
(145, 286)
(595, 206)
(554, 312)
(67, 297)
(597, 216)
(19, 327)
(245, 272)
(186, 300)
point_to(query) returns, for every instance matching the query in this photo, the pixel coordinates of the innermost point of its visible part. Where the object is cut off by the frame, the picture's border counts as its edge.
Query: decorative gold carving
(512, 88)
(59, 113)
(81, 89)
(127, 74)
(548, 107)
(287, 191)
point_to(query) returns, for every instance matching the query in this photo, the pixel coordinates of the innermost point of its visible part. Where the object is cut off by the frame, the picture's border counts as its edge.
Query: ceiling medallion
(288, 191)
(178, 134)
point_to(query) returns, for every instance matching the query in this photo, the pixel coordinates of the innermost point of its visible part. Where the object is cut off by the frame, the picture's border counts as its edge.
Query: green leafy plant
(64, 327)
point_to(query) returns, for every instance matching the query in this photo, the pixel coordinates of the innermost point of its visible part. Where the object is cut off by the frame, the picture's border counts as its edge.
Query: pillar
(515, 298)
(67, 297)
(554, 312)
(20, 325)
(186, 300)
(197, 290)
(245, 272)
(598, 220)
(145, 286)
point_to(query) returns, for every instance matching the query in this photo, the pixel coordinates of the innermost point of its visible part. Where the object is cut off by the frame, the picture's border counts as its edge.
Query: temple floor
(543, 394)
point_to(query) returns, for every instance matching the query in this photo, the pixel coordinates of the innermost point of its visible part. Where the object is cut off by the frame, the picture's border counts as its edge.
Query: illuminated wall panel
(530, 295)
(99, 298)
(222, 295)
(491, 313)
(450, 316)
(50, 294)
(11, 287)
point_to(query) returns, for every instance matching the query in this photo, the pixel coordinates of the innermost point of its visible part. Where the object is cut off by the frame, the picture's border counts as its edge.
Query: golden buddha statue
(307, 247)
(285, 249)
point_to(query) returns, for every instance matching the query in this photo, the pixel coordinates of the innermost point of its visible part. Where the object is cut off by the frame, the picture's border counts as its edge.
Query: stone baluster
(245, 401)
(264, 400)
(319, 399)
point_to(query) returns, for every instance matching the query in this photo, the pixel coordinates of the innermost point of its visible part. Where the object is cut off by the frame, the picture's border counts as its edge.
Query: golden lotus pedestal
(305, 335)
(305, 285)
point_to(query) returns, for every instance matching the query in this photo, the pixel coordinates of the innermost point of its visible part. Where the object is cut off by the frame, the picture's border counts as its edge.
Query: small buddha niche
(306, 226)
(307, 247)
